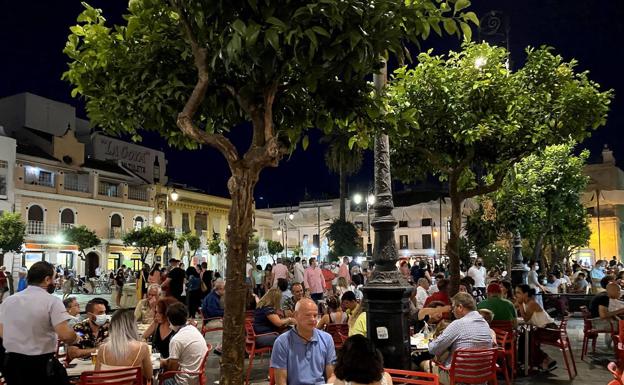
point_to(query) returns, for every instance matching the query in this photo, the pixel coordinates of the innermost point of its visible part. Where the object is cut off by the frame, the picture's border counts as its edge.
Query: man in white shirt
(249, 275)
(422, 292)
(187, 348)
(478, 273)
(298, 270)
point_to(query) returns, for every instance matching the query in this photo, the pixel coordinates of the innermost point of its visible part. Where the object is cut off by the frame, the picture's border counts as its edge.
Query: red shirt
(329, 277)
(438, 296)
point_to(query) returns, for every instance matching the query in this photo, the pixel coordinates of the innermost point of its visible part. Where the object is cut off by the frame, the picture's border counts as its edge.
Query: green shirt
(502, 308)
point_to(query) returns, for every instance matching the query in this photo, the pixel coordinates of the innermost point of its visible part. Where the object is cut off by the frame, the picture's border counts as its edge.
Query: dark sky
(33, 33)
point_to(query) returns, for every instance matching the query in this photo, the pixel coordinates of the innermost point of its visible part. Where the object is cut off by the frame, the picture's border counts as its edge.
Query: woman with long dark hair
(193, 291)
(359, 363)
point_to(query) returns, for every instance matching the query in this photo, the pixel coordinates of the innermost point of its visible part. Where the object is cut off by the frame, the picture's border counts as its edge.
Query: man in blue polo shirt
(303, 355)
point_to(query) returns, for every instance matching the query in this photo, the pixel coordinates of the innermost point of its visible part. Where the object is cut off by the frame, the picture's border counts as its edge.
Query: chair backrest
(125, 376)
(502, 338)
(250, 337)
(410, 377)
(473, 366)
(335, 330)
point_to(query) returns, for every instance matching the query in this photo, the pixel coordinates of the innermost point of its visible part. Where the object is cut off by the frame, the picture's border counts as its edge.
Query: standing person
(187, 347)
(4, 287)
(144, 279)
(175, 280)
(342, 286)
(249, 279)
(298, 270)
(314, 280)
(478, 273)
(268, 277)
(120, 279)
(533, 281)
(279, 271)
(596, 274)
(258, 275)
(193, 291)
(206, 279)
(30, 334)
(328, 276)
(343, 271)
(22, 282)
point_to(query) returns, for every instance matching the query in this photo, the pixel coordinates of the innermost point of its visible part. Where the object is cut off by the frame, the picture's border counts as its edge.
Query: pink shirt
(344, 272)
(314, 280)
(279, 271)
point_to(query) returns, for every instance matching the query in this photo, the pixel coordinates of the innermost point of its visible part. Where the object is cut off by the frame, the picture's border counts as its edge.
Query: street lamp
(158, 219)
(162, 202)
(370, 201)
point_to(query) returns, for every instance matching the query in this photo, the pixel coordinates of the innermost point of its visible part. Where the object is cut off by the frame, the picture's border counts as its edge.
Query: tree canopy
(467, 118)
(343, 238)
(194, 244)
(274, 247)
(12, 232)
(147, 240)
(83, 237)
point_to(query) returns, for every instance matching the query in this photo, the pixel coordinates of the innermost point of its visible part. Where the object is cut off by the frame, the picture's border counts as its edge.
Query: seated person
(579, 286)
(601, 305)
(433, 313)
(92, 331)
(73, 308)
(144, 311)
(334, 315)
(288, 306)
(552, 284)
(303, 355)
(123, 349)
(441, 294)
(187, 347)
(359, 363)
(488, 316)
(502, 308)
(159, 330)
(266, 320)
(357, 317)
(212, 305)
(282, 284)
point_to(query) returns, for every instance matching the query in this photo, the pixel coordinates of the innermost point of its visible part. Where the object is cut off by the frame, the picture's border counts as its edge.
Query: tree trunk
(537, 249)
(453, 242)
(343, 189)
(241, 186)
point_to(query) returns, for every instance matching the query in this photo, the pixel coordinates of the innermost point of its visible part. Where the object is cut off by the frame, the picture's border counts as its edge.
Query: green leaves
(271, 37)
(12, 232)
(461, 4)
(83, 237)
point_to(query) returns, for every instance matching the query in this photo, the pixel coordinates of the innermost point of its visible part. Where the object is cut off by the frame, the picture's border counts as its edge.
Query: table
(86, 365)
(419, 343)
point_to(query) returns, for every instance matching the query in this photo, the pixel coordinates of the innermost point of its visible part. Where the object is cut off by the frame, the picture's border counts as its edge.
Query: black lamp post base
(518, 275)
(387, 322)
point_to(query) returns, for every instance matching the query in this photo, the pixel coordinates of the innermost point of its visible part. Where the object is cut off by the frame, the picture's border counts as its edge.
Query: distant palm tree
(342, 160)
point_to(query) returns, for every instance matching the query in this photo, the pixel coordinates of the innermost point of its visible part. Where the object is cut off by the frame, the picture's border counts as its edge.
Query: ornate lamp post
(518, 271)
(386, 294)
(162, 202)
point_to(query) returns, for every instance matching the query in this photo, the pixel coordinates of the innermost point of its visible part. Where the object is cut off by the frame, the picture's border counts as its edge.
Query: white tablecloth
(86, 365)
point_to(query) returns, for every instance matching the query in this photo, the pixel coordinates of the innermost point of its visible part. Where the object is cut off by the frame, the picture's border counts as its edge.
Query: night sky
(33, 34)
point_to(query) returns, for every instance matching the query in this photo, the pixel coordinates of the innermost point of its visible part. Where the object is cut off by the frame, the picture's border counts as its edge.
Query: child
(488, 316)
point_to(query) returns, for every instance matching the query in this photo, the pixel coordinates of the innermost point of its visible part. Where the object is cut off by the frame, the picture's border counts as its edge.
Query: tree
(193, 243)
(12, 233)
(467, 118)
(147, 240)
(343, 238)
(193, 70)
(541, 199)
(482, 229)
(82, 237)
(274, 248)
(214, 247)
(344, 161)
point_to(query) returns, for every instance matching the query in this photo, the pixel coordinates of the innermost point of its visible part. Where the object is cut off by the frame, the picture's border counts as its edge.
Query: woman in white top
(342, 286)
(359, 364)
(334, 315)
(534, 314)
(123, 349)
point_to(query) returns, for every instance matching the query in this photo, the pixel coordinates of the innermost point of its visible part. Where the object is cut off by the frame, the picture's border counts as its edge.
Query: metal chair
(411, 377)
(506, 355)
(472, 366)
(618, 376)
(335, 330)
(125, 376)
(200, 373)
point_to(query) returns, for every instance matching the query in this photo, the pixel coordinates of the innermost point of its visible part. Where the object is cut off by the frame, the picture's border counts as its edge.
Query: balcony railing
(42, 228)
(47, 180)
(109, 189)
(115, 233)
(137, 193)
(75, 182)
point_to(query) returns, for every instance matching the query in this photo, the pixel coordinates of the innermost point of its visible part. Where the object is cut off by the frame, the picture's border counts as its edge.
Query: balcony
(108, 189)
(138, 193)
(42, 228)
(77, 182)
(35, 176)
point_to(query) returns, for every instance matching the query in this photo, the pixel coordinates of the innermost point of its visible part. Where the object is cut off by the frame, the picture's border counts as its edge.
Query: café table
(526, 329)
(77, 366)
(419, 343)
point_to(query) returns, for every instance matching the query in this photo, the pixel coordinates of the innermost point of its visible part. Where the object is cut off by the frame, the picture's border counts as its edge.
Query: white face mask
(100, 319)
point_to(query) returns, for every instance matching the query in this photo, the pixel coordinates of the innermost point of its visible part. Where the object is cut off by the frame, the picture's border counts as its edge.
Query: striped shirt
(469, 332)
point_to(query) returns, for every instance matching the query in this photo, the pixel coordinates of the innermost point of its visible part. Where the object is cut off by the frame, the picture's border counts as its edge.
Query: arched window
(35, 220)
(115, 226)
(115, 220)
(138, 223)
(67, 218)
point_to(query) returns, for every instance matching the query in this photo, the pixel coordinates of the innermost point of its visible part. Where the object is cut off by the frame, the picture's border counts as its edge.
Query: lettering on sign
(382, 333)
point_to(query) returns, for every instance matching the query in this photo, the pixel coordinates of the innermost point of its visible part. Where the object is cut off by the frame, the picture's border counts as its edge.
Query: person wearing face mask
(92, 331)
(478, 273)
(596, 274)
(30, 323)
(534, 283)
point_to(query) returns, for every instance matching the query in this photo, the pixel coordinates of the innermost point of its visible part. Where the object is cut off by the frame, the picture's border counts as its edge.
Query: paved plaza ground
(591, 371)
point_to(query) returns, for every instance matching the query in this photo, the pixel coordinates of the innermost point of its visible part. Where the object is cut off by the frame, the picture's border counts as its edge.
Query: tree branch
(431, 158)
(482, 190)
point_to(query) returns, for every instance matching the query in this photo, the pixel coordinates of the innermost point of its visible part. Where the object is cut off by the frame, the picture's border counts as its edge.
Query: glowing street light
(174, 195)
(357, 199)
(158, 219)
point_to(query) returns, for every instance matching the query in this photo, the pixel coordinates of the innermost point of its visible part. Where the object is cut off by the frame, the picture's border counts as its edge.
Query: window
(29, 259)
(4, 164)
(403, 242)
(115, 226)
(403, 224)
(426, 241)
(201, 223)
(67, 218)
(138, 223)
(113, 262)
(425, 222)
(186, 228)
(315, 240)
(3, 185)
(35, 213)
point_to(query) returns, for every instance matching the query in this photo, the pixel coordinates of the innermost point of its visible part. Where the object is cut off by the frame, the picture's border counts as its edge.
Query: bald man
(303, 355)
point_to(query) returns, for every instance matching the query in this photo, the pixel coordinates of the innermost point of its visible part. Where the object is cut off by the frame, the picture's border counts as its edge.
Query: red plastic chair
(205, 329)
(618, 377)
(335, 330)
(472, 366)
(200, 373)
(506, 355)
(410, 377)
(126, 376)
(250, 346)
(590, 333)
(559, 339)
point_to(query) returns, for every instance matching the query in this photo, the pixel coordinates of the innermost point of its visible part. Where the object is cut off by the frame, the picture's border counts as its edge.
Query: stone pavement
(591, 371)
